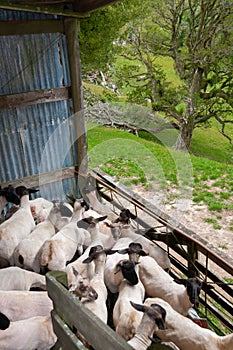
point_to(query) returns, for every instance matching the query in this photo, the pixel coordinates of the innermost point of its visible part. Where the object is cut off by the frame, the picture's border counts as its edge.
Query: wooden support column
(71, 31)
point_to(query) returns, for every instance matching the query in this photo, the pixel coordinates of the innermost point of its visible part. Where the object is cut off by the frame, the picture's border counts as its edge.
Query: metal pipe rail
(189, 254)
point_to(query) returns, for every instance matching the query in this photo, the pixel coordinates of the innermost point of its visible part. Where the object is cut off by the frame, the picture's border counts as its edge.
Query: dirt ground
(192, 215)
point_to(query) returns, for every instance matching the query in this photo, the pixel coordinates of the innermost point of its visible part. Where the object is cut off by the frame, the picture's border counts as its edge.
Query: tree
(197, 35)
(98, 33)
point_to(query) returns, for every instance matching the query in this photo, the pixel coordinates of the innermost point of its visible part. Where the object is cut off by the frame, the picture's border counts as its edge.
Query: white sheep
(15, 278)
(125, 318)
(153, 316)
(40, 208)
(20, 224)
(26, 254)
(113, 272)
(158, 283)
(85, 270)
(32, 333)
(58, 251)
(97, 306)
(126, 231)
(186, 334)
(19, 305)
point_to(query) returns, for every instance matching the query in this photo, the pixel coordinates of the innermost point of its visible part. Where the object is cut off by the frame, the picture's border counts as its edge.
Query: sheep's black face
(128, 271)
(10, 195)
(193, 287)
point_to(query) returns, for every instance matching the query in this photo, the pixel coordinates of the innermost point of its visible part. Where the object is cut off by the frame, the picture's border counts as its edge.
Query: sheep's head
(127, 268)
(135, 250)
(155, 312)
(193, 286)
(80, 286)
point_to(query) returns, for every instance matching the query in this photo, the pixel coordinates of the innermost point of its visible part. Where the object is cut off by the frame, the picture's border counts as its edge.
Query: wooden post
(71, 31)
(192, 257)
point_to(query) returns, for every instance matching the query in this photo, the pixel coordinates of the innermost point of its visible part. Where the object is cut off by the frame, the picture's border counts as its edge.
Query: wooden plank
(34, 97)
(71, 30)
(43, 178)
(68, 305)
(67, 338)
(91, 5)
(52, 10)
(31, 27)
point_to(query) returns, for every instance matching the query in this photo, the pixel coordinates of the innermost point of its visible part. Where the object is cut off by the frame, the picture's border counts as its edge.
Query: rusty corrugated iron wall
(28, 63)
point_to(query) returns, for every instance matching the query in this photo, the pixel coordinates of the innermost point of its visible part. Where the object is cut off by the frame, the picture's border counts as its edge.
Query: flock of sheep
(105, 259)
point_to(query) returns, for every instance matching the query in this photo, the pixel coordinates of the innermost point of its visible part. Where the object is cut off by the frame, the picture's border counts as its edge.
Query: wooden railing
(189, 253)
(75, 325)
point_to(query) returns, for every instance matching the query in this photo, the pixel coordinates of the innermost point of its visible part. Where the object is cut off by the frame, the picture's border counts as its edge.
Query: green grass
(143, 160)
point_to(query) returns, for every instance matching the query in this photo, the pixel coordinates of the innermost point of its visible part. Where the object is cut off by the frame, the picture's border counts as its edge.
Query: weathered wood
(31, 27)
(67, 338)
(34, 97)
(49, 10)
(90, 5)
(43, 178)
(67, 305)
(71, 30)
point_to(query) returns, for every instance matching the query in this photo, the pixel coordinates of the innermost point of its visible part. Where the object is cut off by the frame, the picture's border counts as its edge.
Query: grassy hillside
(136, 160)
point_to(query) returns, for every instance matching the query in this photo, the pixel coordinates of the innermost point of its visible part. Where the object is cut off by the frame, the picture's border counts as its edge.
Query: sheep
(86, 271)
(15, 278)
(115, 263)
(26, 254)
(58, 251)
(19, 305)
(8, 195)
(158, 283)
(120, 229)
(152, 316)
(125, 318)
(186, 334)
(32, 333)
(80, 286)
(90, 192)
(97, 306)
(13, 230)
(40, 208)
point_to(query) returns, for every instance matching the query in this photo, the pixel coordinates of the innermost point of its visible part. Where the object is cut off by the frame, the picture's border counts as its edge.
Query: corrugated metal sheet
(28, 63)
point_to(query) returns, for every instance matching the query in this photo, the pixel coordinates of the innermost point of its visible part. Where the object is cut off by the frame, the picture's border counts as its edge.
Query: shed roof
(65, 7)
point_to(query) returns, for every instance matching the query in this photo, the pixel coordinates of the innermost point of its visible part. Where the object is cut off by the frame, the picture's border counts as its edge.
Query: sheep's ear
(85, 205)
(110, 251)
(181, 281)
(132, 216)
(88, 260)
(75, 272)
(33, 190)
(142, 253)
(206, 286)
(102, 218)
(138, 307)
(65, 211)
(123, 251)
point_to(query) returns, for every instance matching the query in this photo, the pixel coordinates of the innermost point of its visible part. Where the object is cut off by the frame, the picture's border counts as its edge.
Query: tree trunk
(187, 123)
(184, 138)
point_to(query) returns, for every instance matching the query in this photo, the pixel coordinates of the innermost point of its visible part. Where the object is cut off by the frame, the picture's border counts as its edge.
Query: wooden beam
(43, 178)
(53, 10)
(91, 5)
(71, 31)
(31, 27)
(34, 97)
